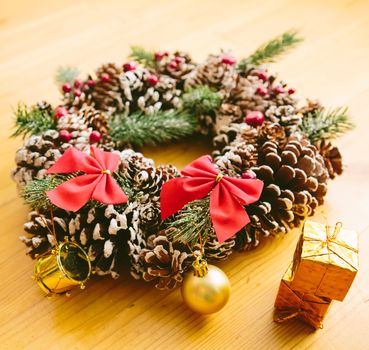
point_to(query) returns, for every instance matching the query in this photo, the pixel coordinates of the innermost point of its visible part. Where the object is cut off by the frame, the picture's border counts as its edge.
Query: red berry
(60, 112)
(262, 91)
(262, 75)
(95, 136)
(178, 59)
(152, 79)
(105, 77)
(291, 91)
(227, 59)
(129, 66)
(249, 174)
(66, 87)
(173, 64)
(78, 83)
(77, 93)
(278, 90)
(90, 83)
(64, 135)
(255, 118)
(159, 55)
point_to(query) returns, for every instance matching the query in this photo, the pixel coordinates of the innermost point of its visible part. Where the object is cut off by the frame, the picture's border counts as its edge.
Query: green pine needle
(34, 193)
(66, 74)
(143, 56)
(140, 129)
(192, 222)
(201, 100)
(326, 124)
(32, 121)
(269, 51)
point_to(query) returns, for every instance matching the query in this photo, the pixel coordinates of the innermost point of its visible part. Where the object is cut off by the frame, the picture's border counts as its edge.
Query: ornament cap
(200, 267)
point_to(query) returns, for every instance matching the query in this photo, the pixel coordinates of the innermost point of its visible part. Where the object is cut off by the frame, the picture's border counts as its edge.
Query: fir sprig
(192, 222)
(143, 56)
(32, 121)
(201, 100)
(269, 51)
(325, 124)
(140, 129)
(66, 74)
(34, 193)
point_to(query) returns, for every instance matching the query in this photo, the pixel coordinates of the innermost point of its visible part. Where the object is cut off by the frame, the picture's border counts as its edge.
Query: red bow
(227, 198)
(96, 184)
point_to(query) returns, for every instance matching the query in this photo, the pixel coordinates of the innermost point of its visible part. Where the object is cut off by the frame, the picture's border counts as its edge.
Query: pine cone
(164, 262)
(103, 232)
(95, 119)
(176, 66)
(37, 155)
(311, 106)
(332, 158)
(295, 180)
(238, 144)
(215, 251)
(246, 93)
(214, 73)
(140, 95)
(133, 162)
(245, 96)
(234, 160)
(83, 99)
(228, 133)
(45, 106)
(42, 240)
(148, 182)
(286, 116)
(107, 94)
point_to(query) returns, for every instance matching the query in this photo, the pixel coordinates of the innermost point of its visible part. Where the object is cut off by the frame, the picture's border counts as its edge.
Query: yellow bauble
(207, 294)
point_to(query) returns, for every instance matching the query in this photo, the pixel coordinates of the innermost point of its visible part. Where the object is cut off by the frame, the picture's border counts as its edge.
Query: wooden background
(332, 64)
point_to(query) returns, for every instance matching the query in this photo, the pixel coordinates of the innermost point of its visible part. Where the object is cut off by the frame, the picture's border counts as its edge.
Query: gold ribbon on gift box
(330, 259)
(291, 304)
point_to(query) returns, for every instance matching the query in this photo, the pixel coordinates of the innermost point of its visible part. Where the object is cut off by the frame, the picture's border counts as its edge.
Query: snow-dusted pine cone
(251, 93)
(215, 73)
(102, 231)
(176, 66)
(148, 93)
(107, 94)
(94, 119)
(286, 116)
(37, 155)
(164, 262)
(215, 251)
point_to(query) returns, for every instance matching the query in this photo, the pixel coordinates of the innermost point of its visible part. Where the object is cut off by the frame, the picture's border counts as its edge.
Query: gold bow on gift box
(325, 261)
(291, 304)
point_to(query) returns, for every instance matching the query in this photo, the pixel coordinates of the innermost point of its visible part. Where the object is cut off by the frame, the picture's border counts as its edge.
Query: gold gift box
(326, 261)
(291, 304)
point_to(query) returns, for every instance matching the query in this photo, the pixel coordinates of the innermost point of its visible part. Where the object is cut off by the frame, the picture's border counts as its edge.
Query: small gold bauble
(206, 294)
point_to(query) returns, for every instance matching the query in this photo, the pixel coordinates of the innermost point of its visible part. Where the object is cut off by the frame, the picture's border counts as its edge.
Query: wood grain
(332, 64)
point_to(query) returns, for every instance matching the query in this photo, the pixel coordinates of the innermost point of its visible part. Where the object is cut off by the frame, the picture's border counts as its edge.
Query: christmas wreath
(261, 135)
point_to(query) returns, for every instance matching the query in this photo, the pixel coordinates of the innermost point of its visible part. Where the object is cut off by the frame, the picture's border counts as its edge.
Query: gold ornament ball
(207, 294)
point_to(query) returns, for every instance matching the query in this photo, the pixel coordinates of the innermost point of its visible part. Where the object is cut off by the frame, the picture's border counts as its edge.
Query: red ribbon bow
(96, 184)
(227, 198)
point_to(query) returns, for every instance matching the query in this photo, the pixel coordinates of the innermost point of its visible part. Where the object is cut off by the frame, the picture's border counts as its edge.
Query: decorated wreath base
(269, 169)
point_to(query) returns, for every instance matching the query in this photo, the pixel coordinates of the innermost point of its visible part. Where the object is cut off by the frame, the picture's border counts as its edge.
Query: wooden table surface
(332, 64)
